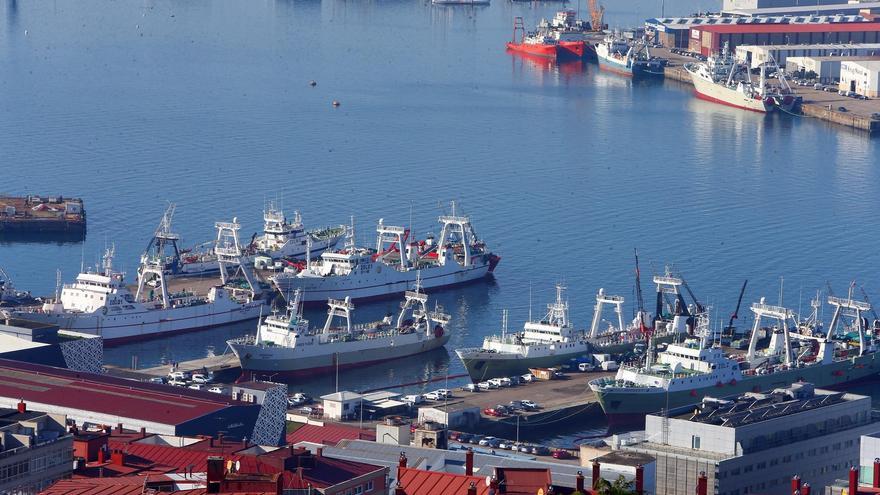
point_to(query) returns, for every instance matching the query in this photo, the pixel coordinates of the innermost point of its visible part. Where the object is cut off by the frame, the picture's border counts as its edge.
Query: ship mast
(647, 332)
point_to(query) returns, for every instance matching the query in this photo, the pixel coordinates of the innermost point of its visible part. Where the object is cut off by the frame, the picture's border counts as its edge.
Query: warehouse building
(729, 5)
(861, 77)
(757, 442)
(757, 55)
(825, 69)
(674, 32)
(804, 8)
(710, 39)
(90, 398)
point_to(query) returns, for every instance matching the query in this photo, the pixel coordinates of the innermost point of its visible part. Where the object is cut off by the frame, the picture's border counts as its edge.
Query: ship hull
(145, 325)
(572, 49)
(484, 366)
(629, 405)
(538, 50)
(717, 93)
(384, 282)
(303, 362)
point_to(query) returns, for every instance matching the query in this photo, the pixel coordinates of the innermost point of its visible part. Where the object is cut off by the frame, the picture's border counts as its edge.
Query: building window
(695, 442)
(369, 486)
(358, 490)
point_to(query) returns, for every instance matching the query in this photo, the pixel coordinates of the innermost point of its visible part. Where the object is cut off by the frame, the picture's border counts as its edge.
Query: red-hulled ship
(537, 43)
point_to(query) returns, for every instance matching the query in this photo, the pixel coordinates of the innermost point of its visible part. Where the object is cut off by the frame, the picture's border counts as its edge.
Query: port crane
(597, 14)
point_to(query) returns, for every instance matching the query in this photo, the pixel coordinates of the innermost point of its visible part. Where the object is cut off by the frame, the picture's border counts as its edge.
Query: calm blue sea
(563, 169)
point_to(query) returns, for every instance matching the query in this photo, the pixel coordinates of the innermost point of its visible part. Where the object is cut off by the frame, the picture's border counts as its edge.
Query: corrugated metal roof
(419, 482)
(790, 28)
(106, 395)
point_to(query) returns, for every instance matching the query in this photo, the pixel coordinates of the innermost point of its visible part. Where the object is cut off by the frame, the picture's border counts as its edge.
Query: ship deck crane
(597, 14)
(735, 315)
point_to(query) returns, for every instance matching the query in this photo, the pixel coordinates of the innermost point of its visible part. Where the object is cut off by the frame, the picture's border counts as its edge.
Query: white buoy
(25, 32)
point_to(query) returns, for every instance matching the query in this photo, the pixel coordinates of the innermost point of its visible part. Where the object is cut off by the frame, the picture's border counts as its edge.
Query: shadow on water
(59, 238)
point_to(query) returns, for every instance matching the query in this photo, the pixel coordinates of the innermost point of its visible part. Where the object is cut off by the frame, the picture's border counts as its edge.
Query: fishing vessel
(283, 239)
(9, 295)
(280, 239)
(686, 372)
(549, 342)
(572, 34)
(285, 344)
(721, 79)
(537, 43)
(99, 302)
(560, 38)
(627, 58)
(458, 256)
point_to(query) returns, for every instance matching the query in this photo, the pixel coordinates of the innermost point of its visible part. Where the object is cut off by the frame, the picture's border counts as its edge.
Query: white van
(413, 400)
(586, 367)
(609, 365)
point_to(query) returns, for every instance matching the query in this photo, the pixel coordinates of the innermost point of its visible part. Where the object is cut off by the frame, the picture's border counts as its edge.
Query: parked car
(471, 387)
(561, 454)
(413, 400)
(515, 380)
(540, 450)
(485, 386)
(177, 382)
(505, 382)
(609, 366)
(525, 448)
(464, 437)
(516, 405)
(444, 393)
(178, 375)
(197, 386)
(585, 367)
(514, 446)
(491, 411)
(505, 444)
(529, 405)
(495, 443)
(216, 390)
(453, 435)
(201, 378)
(528, 377)
(157, 379)
(495, 382)
(485, 441)
(435, 395)
(476, 439)
(302, 398)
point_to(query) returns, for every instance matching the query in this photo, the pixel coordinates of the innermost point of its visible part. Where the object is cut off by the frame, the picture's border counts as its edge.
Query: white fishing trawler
(685, 373)
(457, 257)
(283, 239)
(285, 344)
(721, 79)
(551, 341)
(99, 302)
(280, 239)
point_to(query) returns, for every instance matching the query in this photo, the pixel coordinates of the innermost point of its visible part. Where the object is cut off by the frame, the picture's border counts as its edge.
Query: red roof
(419, 482)
(328, 434)
(133, 485)
(524, 480)
(790, 28)
(106, 395)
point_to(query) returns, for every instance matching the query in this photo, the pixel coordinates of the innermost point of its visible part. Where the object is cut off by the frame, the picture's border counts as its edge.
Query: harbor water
(562, 168)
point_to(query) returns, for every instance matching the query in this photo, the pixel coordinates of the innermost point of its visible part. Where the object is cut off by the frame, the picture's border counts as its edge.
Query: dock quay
(223, 366)
(817, 104)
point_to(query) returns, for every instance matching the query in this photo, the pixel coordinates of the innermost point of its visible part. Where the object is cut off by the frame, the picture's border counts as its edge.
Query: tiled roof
(328, 434)
(419, 482)
(132, 485)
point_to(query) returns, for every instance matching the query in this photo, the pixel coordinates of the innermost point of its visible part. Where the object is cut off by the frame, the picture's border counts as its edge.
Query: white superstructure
(457, 257)
(289, 239)
(99, 303)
